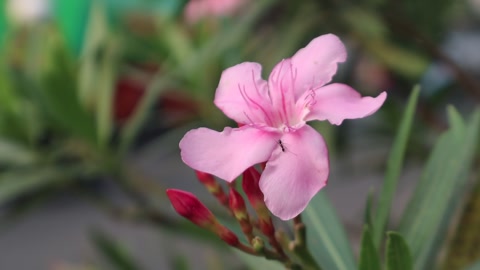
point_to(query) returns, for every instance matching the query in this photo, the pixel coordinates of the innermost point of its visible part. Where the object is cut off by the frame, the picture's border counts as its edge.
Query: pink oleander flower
(272, 116)
(195, 10)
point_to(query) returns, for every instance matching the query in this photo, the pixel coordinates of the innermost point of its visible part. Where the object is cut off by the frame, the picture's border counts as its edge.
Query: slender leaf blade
(441, 185)
(475, 266)
(256, 263)
(394, 166)
(398, 255)
(369, 259)
(112, 250)
(326, 237)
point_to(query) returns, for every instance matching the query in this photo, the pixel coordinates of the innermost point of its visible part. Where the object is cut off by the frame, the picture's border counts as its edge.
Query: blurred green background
(95, 95)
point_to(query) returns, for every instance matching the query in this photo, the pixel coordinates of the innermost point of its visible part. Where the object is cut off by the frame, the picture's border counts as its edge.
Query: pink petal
(294, 174)
(316, 64)
(337, 102)
(229, 153)
(242, 94)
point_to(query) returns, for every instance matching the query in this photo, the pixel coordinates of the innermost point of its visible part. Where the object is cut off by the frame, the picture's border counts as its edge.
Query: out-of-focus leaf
(475, 266)
(421, 15)
(114, 252)
(428, 214)
(95, 40)
(106, 92)
(365, 23)
(463, 246)
(326, 237)
(60, 92)
(394, 166)
(409, 64)
(256, 263)
(369, 259)
(13, 154)
(219, 44)
(179, 262)
(368, 215)
(17, 183)
(397, 253)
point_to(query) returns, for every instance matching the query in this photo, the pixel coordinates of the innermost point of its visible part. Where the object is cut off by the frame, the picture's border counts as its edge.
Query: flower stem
(299, 245)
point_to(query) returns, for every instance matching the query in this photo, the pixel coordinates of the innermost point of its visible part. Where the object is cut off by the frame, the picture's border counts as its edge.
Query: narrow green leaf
(439, 191)
(398, 255)
(178, 262)
(96, 37)
(394, 166)
(106, 92)
(256, 263)
(475, 266)
(116, 254)
(17, 183)
(13, 154)
(59, 92)
(368, 211)
(326, 237)
(369, 259)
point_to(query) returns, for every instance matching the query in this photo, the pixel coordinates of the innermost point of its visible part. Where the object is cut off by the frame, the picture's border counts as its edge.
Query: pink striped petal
(296, 171)
(242, 94)
(229, 153)
(337, 102)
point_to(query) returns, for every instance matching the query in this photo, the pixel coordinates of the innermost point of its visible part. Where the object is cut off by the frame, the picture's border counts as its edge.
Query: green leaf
(59, 92)
(475, 266)
(394, 166)
(215, 47)
(326, 238)
(116, 254)
(256, 263)
(440, 190)
(17, 183)
(368, 210)
(369, 259)
(13, 154)
(106, 92)
(397, 253)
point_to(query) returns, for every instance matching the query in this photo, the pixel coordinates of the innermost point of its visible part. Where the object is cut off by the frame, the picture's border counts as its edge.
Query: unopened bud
(237, 205)
(250, 184)
(258, 244)
(227, 236)
(212, 186)
(266, 226)
(189, 207)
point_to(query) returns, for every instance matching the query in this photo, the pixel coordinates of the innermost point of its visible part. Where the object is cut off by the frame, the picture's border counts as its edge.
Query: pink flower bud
(251, 178)
(189, 207)
(205, 178)
(237, 205)
(227, 236)
(250, 184)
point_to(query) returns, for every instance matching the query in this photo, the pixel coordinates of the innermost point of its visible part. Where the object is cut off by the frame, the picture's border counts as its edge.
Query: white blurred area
(28, 11)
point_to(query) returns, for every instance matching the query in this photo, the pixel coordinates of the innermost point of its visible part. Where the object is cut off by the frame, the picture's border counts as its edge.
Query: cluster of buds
(258, 229)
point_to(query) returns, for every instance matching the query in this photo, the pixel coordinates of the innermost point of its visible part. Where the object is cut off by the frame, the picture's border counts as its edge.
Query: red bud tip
(188, 206)
(205, 178)
(250, 184)
(237, 204)
(266, 227)
(227, 236)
